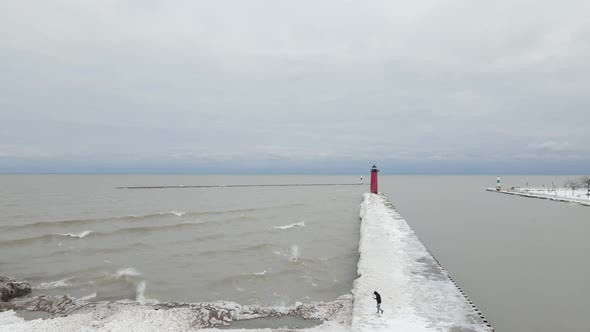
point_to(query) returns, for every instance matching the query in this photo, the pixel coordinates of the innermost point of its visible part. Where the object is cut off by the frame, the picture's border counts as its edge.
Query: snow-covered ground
(126, 316)
(578, 196)
(417, 294)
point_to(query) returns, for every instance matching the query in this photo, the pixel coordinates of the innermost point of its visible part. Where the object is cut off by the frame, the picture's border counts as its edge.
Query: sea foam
(297, 224)
(88, 297)
(178, 214)
(80, 236)
(294, 254)
(127, 272)
(140, 295)
(54, 284)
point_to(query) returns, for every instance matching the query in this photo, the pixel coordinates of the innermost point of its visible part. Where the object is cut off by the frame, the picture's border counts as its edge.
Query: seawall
(417, 293)
(541, 196)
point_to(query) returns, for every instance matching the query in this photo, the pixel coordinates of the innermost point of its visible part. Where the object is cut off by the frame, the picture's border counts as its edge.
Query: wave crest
(79, 236)
(297, 224)
(127, 272)
(54, 284)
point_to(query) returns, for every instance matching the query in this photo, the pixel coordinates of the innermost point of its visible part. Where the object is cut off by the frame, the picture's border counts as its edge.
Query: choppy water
(522, 261)
(80, 235)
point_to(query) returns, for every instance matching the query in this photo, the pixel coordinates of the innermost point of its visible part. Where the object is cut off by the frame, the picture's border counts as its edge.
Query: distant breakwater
(539, 196)
(244, 185)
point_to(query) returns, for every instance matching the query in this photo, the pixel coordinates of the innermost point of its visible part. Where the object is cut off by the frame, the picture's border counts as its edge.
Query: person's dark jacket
(377, 297)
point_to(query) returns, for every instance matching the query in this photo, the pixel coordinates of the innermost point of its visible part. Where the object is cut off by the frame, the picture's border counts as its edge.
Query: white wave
(88, 297)
(81, 235)
(54, 284)
(294, 254)
(140, 295)
(178, 214)
(297, 224)
(190, 222)
(140, 292)
(127, 272)
(259, 273)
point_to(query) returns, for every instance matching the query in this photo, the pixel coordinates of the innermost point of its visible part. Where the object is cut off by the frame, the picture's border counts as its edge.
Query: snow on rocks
(416, 291)
(72, 314)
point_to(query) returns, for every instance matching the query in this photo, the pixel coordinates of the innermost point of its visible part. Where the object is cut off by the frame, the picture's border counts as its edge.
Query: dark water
(522, 261)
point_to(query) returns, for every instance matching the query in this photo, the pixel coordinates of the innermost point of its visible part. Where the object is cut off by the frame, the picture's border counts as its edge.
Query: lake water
(522, 261)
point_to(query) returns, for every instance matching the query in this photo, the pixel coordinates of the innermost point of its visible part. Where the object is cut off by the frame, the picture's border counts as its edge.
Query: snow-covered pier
(559, 195)
(417, 293)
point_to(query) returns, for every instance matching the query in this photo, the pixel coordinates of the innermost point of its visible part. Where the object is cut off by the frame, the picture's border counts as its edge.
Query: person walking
(378, 298)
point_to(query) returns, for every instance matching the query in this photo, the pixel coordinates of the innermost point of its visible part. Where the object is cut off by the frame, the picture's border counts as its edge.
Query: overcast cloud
(295, 86)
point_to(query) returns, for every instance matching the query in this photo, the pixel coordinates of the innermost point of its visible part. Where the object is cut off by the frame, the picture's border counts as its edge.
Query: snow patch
(176, 317)
(8, 318)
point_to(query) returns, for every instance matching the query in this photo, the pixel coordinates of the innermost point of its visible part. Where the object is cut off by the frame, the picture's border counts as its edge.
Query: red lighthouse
(374, 172)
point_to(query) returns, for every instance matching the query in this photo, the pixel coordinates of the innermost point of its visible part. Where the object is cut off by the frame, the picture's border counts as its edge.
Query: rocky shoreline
(193, 315)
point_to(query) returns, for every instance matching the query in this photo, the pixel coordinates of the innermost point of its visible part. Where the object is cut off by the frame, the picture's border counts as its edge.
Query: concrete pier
(579, 201)
(418, 294)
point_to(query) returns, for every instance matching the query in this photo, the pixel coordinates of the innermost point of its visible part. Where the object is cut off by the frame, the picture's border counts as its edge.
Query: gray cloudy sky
(295, 86)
